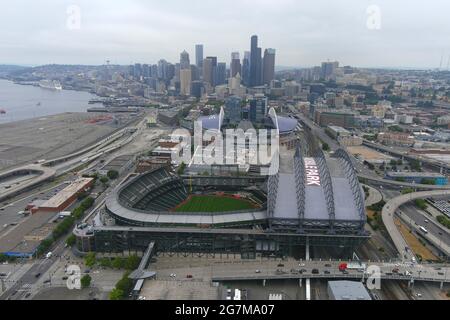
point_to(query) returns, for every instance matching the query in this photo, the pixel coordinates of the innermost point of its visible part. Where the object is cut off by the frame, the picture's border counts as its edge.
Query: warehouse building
(67, 196)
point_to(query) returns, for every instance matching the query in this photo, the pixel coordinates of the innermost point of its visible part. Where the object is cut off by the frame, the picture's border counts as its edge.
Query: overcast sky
(412, 33)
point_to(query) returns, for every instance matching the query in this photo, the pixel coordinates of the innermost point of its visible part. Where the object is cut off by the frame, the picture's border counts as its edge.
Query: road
(263, 270)
(25, 283)
(388, 214)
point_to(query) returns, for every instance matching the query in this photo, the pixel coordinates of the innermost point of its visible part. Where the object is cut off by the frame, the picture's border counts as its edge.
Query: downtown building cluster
(203, 75)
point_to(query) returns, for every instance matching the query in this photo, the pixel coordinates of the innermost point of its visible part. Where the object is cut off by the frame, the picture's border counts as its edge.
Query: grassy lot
(414, 243)
(212, 203)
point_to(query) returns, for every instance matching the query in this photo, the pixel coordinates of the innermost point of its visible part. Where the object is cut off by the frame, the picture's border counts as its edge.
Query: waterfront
(25, 101)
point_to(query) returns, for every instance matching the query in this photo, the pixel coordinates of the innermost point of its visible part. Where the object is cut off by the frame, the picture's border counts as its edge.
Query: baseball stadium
(315, 201)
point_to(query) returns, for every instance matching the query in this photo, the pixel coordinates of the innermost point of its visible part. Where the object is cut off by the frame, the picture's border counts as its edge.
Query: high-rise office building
(235, 66)
(154, 71)
(233, 108)
(199, 55)
(210, 70)
(207, 71)
(221, 75)
(268, 66)
(196, 88)
(162, 69)
(170, 72)
(131, 70)
(137, 70)
(246, 69)
(328, 69)
(258, 108)
(145, 70)
(195, 72)
(255, 63)
(185, 81)
(184, 60)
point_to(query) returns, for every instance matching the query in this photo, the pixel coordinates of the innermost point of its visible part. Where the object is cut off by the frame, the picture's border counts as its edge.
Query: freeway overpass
(330, 270)
(388, 213)
(43, 174)
(303, 269)
(416, 186)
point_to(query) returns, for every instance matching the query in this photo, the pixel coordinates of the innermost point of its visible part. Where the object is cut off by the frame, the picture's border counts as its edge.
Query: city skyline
(305, 35)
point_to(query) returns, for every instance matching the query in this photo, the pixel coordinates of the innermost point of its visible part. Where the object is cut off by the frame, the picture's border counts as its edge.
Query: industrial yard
(52, 136)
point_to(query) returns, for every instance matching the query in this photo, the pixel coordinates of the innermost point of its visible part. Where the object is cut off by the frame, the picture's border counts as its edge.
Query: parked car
(315, 271)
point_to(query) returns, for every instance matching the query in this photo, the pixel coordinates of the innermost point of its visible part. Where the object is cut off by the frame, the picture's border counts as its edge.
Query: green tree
(112, 174)
(105, 262)
(428, 181)
(104, 180)
(181, 168)
(116, 294)
(125, 284)
(421, 204)
(118, 263)
(407, 190)
(89, 260)
(70, 241)
(86, 281)
(132, 262)
(325, 147)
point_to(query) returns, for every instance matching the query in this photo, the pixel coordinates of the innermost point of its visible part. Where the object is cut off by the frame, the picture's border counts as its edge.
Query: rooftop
(67, 192)
(348, 290)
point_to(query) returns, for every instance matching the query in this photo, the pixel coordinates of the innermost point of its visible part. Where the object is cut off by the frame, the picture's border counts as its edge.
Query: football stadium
(314, 201)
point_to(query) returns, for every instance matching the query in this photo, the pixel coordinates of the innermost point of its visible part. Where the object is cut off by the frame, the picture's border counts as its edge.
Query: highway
(388, 214)
(274, 270)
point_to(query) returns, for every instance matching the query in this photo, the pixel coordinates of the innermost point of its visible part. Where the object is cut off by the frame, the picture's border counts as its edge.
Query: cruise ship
(50, 84)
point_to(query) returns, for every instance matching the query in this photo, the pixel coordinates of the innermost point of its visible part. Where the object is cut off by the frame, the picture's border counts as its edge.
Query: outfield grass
(212, 203)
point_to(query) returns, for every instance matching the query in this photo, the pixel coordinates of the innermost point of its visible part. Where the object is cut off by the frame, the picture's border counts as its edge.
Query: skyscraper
(235, 64)
(210, 70)
(221, 75)
(246, 68)
(207, 71)
(255, 62)
(328, 69)
(268, 66)
(199, 55)
(185, 81)
(184, 61)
